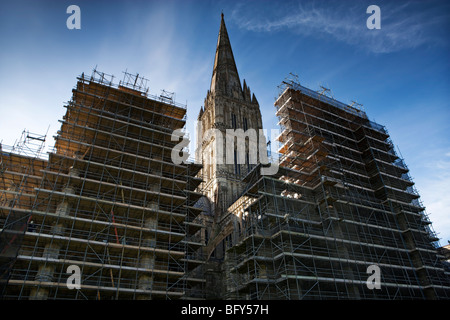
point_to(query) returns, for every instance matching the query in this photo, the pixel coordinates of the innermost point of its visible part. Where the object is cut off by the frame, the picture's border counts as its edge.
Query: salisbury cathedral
(109, 214)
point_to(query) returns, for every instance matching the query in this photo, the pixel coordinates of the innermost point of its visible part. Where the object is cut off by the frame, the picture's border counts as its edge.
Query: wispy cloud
(403, 25)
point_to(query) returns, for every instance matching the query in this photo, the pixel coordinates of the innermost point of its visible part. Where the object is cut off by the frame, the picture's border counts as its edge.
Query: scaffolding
(111, 201)
(30, 144)
(20, 173)
(341, 201)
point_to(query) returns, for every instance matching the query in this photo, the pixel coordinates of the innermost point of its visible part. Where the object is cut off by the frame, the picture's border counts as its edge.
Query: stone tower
(227, 105)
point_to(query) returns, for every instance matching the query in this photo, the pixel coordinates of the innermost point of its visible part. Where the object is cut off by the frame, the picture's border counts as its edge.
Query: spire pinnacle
(225, 77)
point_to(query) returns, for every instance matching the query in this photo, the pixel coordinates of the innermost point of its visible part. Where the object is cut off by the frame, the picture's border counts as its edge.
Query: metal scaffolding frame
(341, 201)
(111, 201)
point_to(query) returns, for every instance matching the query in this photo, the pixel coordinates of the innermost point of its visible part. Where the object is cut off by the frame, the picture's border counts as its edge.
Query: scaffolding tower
(342, 201)
(110, 201)
(20, 173)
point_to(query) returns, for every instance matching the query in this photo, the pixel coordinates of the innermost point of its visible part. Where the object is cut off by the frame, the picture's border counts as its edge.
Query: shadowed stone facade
(227, 105)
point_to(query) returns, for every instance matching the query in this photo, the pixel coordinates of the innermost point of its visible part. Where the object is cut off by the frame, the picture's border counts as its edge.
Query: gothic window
(228, 241)
(233, 121)
(245, 124)
(247, 161)
(208, 123)
(237, 169)
(211, 165)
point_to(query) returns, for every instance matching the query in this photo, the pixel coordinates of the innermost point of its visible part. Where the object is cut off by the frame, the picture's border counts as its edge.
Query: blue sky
(400, 73)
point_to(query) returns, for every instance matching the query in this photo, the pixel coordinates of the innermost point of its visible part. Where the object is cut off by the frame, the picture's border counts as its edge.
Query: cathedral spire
(225, 77)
